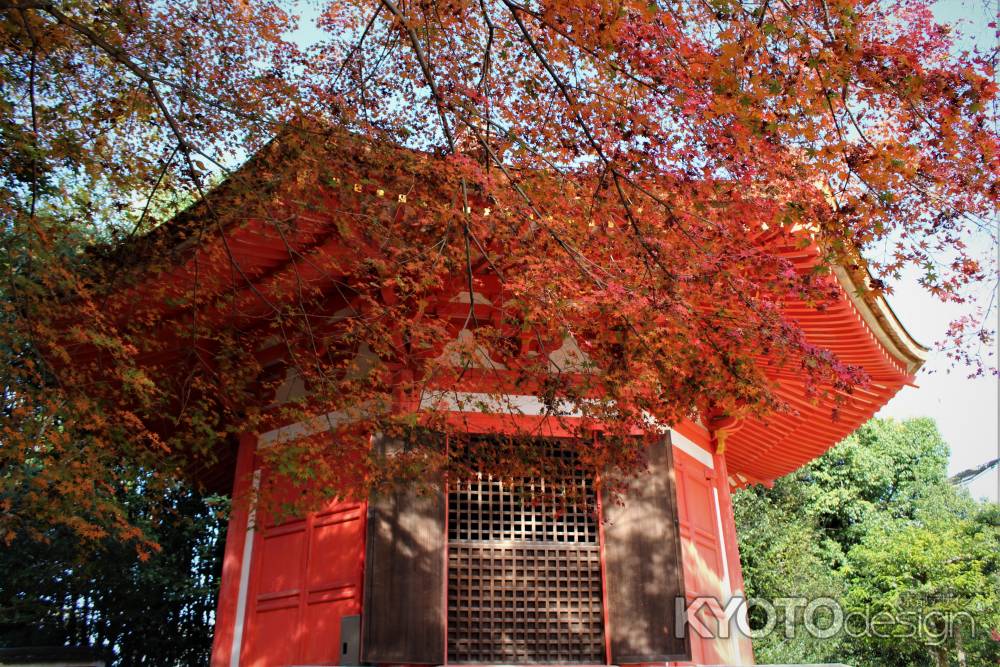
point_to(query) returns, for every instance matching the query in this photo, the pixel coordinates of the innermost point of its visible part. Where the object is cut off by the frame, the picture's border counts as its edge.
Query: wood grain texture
(643, 565)
(403, 618)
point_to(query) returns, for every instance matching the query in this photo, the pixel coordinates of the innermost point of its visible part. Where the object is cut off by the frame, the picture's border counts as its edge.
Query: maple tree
(619, 174)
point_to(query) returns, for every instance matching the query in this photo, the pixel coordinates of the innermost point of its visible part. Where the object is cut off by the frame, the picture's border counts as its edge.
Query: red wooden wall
(306, 573)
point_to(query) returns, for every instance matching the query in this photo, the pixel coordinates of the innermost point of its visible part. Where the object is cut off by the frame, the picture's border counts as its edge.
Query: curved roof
(861, 329)
(880, 317)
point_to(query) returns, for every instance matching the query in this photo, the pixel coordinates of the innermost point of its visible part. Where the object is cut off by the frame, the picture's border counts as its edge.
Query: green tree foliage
(143, 606)
(944, 567)
(875, 524)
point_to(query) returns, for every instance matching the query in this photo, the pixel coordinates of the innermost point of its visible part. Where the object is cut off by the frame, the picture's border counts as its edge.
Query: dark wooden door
(524, 572)
(403, 619)
(643, 568)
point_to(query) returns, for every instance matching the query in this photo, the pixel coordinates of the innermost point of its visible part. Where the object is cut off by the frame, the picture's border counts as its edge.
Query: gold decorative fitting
(611, 224)
(720, 440)
(468, 210)
(402, 199)
(380, 192)
(357, 187)
(486, 211)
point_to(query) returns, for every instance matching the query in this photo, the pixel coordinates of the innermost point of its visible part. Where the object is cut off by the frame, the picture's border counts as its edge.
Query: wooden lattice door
(524, 571)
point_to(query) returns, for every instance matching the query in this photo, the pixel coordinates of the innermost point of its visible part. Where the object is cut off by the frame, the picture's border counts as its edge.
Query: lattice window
(524, 571)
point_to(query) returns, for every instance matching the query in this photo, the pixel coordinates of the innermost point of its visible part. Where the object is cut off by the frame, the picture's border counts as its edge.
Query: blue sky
(966, 410)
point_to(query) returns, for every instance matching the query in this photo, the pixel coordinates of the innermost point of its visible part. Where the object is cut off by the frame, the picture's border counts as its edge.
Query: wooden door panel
(321, 641)
(643, 565)
(270, 640)
(699, 528)
(281, 552)
(306, 574)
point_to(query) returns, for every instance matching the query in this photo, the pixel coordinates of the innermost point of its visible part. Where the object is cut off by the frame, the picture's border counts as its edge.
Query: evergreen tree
(875, 524)
(143, 603)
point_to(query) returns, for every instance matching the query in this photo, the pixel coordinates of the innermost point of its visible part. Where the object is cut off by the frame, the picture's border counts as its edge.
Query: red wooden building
(473, 575)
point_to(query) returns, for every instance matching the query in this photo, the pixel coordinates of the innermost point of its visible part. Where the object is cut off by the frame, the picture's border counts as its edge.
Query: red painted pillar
(232, 563)
(729, 524)
(732, 546)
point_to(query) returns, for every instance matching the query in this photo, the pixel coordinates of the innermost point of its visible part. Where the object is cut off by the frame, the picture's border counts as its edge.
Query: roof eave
(880, 318)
